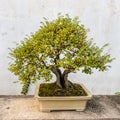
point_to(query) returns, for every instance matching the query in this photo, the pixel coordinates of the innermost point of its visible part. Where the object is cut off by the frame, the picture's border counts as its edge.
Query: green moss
(50, 89)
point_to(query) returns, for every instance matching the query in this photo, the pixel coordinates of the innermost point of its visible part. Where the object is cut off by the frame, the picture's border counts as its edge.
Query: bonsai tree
(61, 43)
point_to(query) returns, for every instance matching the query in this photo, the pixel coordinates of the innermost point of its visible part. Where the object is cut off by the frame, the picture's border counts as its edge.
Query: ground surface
(27, 108)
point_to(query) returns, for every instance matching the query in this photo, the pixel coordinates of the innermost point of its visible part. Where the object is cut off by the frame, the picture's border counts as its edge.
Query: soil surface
(101, 107)
(51, 89)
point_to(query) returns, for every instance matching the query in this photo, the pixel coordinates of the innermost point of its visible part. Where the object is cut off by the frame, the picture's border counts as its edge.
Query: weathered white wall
(20, 17)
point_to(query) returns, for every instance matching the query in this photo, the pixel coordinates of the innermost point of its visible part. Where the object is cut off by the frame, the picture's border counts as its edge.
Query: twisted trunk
(57, 72)
(61, 78)
(65, 78)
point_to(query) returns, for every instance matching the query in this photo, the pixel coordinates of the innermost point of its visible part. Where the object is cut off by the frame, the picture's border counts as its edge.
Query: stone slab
(101, 107)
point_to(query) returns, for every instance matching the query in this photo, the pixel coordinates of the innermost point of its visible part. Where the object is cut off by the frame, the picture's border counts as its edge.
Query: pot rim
(88, 97)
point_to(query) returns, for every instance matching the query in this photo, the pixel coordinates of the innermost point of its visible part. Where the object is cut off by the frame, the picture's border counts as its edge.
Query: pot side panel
(62, 105)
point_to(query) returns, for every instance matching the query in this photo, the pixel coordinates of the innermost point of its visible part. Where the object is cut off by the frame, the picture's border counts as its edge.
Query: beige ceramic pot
(77, 103)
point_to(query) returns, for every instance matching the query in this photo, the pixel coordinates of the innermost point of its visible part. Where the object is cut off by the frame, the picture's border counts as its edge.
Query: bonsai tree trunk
(61, 78)
(65, 78)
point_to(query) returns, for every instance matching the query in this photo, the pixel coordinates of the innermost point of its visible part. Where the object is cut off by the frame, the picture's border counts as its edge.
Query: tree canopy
(60, 43)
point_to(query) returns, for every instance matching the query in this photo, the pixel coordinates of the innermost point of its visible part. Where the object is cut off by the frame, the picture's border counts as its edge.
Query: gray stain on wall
(4, 33)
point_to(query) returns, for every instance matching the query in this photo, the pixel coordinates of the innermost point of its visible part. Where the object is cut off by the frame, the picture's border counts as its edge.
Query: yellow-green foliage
(62, 43)
(117, 93)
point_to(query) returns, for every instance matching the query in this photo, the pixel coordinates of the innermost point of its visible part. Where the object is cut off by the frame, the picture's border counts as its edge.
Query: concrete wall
(20, 17)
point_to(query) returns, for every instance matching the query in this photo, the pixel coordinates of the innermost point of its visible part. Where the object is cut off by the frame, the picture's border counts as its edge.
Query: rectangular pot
(77, 103)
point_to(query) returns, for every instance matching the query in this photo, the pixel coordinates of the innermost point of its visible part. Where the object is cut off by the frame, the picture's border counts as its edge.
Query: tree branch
(43, 61)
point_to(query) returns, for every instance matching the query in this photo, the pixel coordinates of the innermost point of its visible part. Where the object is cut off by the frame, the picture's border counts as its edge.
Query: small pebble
(8, 108)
